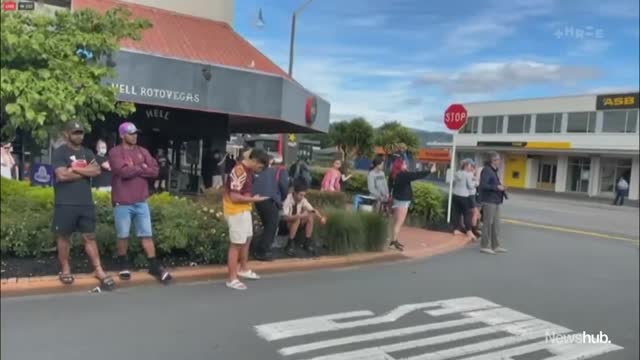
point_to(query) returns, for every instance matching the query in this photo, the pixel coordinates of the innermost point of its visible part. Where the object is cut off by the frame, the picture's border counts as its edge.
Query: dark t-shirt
(77, 192)
(104, 179)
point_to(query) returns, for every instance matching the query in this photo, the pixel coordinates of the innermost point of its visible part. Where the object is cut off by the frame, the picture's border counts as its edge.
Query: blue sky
(406, 60)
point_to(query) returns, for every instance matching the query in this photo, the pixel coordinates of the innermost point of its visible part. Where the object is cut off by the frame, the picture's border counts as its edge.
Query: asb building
(579, 144)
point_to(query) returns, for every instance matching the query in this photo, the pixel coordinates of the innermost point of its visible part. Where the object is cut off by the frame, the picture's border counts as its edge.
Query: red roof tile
(189, 38)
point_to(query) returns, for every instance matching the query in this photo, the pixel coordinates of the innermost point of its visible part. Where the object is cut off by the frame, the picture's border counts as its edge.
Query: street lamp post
(282, 147)
(293, 34)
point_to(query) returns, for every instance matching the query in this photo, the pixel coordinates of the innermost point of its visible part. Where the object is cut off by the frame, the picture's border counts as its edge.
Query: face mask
(102, 151)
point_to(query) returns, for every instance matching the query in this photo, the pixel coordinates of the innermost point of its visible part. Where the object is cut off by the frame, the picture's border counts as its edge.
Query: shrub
(180, 225)
(376, 230)
(428, 202)
(347, 231)
(343, 233)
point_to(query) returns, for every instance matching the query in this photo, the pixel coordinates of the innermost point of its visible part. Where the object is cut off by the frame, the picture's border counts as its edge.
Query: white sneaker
(249, 274)
(487, 251)
(500, 250)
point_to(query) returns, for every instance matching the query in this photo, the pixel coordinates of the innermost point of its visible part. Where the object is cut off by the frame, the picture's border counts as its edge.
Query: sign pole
(451, 171)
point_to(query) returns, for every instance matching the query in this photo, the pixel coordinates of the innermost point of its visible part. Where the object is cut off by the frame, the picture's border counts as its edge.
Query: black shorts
(473, 201)
(69, 219)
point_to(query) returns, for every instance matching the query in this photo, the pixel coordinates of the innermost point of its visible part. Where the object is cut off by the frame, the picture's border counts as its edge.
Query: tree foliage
(352, 137)
(45, 82)
(392, 135)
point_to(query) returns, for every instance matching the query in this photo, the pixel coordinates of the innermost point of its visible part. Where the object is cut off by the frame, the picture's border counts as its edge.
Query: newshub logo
(580, 338)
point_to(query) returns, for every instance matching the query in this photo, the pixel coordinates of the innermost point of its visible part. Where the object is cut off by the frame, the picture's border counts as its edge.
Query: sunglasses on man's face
(77, 133)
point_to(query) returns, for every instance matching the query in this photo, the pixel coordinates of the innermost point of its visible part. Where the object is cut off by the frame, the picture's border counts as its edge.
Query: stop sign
(455, 117)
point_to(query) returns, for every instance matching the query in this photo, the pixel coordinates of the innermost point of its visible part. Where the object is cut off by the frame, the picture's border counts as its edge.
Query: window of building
(549, 123)
(492, 124)
(579, 174)
(519, 124)
(620, 121)
(471, 126)
(611, 171)
(581, 122)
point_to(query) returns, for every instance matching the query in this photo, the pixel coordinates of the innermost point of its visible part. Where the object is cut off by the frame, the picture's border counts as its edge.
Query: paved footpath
(461, 305)
(420, 243)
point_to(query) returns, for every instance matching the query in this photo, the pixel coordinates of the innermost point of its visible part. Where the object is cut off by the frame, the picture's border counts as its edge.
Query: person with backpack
(272, 182)
(299, 173)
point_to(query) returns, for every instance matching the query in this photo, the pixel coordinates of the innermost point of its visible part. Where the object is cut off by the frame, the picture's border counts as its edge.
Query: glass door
(547, 176)
(579, 174)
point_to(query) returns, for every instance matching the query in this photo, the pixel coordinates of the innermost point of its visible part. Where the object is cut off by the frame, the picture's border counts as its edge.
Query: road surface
(460, 305)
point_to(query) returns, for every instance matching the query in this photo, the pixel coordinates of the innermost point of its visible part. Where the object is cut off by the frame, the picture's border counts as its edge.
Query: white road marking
(560, 351)
(491, 317)
(473, 310)
(318, 324)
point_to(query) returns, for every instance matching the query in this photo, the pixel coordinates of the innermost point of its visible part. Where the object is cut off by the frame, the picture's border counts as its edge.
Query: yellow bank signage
(618, 101)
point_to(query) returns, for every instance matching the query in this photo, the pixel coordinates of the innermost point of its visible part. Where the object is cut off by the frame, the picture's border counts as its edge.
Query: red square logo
(9, 6)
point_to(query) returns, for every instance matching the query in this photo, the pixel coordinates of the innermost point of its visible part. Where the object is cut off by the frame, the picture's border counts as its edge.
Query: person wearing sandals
(237, 202)
(400, 181)
(74, 210)
(132, 167)
(377, 184)
(463, 186)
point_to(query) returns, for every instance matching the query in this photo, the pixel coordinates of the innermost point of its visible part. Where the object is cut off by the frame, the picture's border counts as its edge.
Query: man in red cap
(132, 166)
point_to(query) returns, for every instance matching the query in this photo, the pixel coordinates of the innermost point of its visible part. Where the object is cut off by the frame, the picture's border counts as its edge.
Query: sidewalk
(597, 201)
(419, 243)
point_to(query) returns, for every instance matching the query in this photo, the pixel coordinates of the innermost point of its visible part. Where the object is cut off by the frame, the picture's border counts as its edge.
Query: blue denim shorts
(137, 213)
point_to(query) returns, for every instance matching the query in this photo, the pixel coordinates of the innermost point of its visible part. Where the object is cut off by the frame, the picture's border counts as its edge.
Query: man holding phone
(74, 211)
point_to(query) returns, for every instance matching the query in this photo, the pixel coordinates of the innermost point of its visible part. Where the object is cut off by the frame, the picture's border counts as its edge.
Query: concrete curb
(85, 282)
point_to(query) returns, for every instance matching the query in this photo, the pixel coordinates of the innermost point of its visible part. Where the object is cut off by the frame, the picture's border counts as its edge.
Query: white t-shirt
(623, 185)
(289, 203)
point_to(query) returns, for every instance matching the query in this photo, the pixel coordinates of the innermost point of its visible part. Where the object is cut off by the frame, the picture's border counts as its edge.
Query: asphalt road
(549, 282)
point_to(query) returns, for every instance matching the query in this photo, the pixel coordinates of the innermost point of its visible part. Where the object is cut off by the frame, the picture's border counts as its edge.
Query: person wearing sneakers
(492, 195)
(298, 213)
(400, 180)
(463, 185)
(132, 168)
(237, 202)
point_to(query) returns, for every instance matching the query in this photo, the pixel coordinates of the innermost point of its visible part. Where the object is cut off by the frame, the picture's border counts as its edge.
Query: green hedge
(180, 225)
(193, 229)
(347, 231)
(428, 207)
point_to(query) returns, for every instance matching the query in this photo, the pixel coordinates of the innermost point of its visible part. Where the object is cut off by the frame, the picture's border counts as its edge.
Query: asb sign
(618, 101)
(455, 117)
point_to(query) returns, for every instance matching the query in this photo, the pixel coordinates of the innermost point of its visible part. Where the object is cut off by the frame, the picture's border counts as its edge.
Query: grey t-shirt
(76, 192)
(377, 184)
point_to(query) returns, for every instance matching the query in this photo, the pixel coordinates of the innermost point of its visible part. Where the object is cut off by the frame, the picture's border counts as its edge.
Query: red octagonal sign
(455, 117)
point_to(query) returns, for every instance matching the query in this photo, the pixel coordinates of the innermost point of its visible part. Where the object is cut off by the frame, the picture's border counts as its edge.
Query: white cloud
(497, 76)
(612, 90)
(496, 23)
(590, 47)
(367, 22)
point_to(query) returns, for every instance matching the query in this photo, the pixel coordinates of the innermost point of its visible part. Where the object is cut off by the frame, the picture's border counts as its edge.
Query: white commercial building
(580, 144)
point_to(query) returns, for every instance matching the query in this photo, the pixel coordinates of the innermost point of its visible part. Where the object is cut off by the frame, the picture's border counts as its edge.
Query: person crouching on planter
(400, 181)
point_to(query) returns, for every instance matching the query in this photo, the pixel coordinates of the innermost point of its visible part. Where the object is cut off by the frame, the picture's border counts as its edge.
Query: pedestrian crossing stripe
(524, 334)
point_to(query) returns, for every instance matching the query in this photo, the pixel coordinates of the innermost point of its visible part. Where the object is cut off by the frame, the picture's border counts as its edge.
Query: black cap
(73, 126)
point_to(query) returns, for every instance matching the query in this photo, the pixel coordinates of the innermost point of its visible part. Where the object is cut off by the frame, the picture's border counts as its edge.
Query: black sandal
(66, 279)
(106, 283)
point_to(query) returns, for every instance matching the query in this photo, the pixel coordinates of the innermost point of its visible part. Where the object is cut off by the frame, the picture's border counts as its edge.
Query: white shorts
(240, 227)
